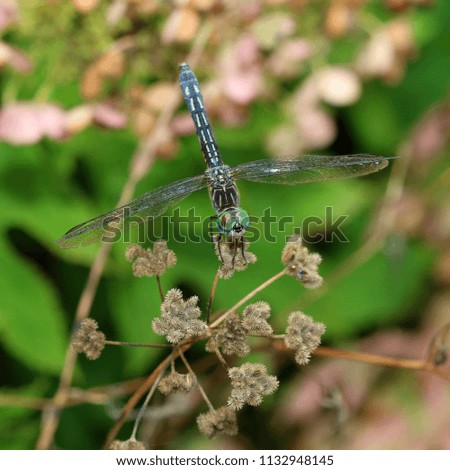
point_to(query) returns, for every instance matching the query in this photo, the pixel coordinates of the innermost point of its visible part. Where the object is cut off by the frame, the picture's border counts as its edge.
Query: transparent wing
(151, 204)
(309, 168)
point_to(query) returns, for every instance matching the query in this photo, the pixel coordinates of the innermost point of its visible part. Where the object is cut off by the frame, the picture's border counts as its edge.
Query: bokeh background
(91, 112)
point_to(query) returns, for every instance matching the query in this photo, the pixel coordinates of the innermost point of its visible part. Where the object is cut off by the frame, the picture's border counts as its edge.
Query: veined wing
(309, 168)
(151, 204)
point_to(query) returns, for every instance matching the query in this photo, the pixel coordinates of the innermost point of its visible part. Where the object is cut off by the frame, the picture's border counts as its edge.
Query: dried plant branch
(139, 393)
(161, 293)
(249, 296)
(146, 402)
(188, 367)
(212, 294)
(400, 363)
(137, 345)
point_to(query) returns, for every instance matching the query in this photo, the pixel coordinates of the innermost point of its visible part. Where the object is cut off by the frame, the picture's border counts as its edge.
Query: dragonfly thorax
(219, 175)
(233, 222)
(222, 189)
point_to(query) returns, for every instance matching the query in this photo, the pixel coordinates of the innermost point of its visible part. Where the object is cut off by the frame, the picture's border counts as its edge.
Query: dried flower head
(218, 422)
(249, 383)
(88, 340)
(151, 263)
(255, 319)
(130, 444)
(303, 334)
(175, 382)
(440, 346)
(231, 337)
(179, 318)
(302, 264)
(230, 255)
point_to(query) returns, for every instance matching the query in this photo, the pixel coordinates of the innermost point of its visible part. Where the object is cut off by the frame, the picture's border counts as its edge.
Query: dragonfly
(230, 220)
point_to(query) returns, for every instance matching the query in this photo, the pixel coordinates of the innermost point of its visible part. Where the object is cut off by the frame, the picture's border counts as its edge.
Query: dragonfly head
(233, 222)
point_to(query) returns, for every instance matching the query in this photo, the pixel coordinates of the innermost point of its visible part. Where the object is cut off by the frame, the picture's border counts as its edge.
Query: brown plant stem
(139, 393)
(137, 345)
(412, 364)
(211, 295)
(161, 293)
(188, 367)
(248, 297)
(400, 363)
(146, 402)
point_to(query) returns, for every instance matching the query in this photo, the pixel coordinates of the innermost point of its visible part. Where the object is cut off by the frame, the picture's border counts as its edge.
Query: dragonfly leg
(219, 249)
(212, 224)
(243, 250)
(235, 244)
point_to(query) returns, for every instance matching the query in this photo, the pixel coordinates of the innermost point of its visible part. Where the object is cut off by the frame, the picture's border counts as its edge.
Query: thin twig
(161, 293)
(138, 394)
(413, 364)
(220, 357)
(134, 400)
(145, 404)
(188, 367)
(211, 295)
(137, 345)
(400, 363)
(248, 297)
(11, 401)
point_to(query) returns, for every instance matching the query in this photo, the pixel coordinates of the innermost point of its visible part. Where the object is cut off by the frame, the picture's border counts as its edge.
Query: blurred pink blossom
(286, 61)
(306, 96)
(52, 121)
(9, 13)
(242, 87)
(316, 127)
(337, 85)
(388, 430)
(27, 123)
(182, 124)
(241, 78)
(377, 56)
(14, 58)
(306, 397)
(107, 115)
(431, 135)
(250, 9)
(245, 51)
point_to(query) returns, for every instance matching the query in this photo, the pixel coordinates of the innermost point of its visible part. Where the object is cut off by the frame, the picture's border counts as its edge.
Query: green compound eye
(233, 221)
(243, 218)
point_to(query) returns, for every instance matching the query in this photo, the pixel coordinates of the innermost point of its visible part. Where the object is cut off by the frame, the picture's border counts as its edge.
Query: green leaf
(134, 303)
(32, 324)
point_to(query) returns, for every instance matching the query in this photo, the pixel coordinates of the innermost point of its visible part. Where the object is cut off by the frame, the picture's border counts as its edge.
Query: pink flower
(244, 86)
(27, 123)
(9, 13)
(107, 115)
